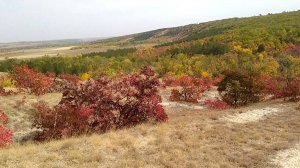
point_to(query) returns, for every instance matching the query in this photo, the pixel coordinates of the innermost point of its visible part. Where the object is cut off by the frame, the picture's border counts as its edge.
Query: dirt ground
(191, 138)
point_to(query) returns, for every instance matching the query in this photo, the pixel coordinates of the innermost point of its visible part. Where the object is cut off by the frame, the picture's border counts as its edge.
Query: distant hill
(273, 30)
(23, 45)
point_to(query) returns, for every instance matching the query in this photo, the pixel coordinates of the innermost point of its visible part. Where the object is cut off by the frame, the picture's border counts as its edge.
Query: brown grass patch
(191, 138)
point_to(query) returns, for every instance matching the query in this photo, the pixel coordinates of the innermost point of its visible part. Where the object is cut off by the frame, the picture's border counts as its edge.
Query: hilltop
(271, 29)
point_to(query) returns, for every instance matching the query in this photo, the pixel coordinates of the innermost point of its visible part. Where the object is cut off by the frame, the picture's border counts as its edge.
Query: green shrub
(240, 88)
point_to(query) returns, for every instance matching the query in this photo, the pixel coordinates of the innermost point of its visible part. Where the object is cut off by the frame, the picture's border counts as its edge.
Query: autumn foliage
(292, 91)
(280, 87)
(216, 104)
(32, 81)
(101, 105)
(5, 134)
(240, 88)
(191, 89)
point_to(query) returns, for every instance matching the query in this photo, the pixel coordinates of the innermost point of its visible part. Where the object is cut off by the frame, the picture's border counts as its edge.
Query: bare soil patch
(289, 158)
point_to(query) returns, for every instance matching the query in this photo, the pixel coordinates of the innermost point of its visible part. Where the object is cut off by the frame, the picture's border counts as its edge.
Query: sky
(35, 20)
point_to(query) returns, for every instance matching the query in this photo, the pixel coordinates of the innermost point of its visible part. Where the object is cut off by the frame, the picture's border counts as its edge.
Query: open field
(191, 138)
(51, 51)
(71, 50)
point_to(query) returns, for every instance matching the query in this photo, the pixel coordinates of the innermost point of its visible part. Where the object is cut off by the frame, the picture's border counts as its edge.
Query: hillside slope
(272, 29)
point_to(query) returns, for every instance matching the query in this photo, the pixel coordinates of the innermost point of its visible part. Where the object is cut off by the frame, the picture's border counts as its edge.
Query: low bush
(169, 80)
(292, 90)
(101, 105)
(32, 81)
(216, 104)
(85, 76)
(280, 87)
(191, 89)
(216, 81)
(68, 78)
(63, 121)
(272, 86)
(5, 134)
(7, 82)
(240, 88)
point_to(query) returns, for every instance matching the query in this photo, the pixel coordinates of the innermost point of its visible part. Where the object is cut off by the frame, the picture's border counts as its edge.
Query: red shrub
(5, 134)
(272, 85)
(292, 90)
(191, 89)
(216, 81)
(169, 80)
(293, 49)
(216, 104)
(62, 121)
(298, 108)
(36, 83)
(102, 105)
(69, 78)
(282, 88)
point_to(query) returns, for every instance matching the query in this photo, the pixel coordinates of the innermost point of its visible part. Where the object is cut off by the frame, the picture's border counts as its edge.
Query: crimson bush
(191, 89)
(31, 80)
(103, 104)
(279, 87)
(292, 90)
(216, 104)
(5, 134)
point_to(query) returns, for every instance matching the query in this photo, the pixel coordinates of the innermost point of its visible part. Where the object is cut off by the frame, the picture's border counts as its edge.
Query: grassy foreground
(191, 138)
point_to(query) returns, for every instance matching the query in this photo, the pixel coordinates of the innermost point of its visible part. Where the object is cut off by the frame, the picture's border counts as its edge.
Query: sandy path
(289, 158)
(176, 104)
(252, 115)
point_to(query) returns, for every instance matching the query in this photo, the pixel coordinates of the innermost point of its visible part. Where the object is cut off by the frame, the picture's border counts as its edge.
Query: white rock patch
(289, 158)
(176, 104)
(252, 115)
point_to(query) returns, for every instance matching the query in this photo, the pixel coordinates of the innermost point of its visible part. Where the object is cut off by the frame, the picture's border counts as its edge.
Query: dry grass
(191, 138)
(19, 110)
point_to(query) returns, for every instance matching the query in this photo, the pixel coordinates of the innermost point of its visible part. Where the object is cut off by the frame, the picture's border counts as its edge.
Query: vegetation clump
(5, 134)
(31, 80)
(190, 89)
(102, 104)
(240, 88)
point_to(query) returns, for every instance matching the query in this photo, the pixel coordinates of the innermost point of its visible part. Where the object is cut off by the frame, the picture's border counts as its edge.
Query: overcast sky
(29, 20)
